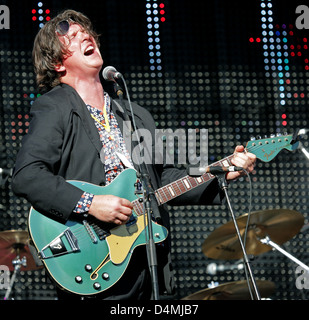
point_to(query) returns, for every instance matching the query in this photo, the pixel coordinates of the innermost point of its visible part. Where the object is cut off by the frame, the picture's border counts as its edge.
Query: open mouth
(89, 50)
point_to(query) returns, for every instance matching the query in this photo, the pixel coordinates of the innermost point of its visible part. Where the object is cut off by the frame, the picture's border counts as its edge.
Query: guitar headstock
(267, 149)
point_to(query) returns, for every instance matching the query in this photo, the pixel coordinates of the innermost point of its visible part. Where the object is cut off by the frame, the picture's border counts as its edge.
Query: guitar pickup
(65, 243)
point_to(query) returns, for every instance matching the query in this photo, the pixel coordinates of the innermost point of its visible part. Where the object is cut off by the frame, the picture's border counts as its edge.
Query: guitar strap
(127, 134)
(124, 160)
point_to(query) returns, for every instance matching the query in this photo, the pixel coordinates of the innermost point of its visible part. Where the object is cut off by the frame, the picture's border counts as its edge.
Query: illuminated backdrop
(237, 69)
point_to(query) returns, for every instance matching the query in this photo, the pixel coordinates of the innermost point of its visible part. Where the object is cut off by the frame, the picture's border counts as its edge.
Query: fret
(171, 191)
(186, 183)
(229, 160)
(184, 187)
(138, 208)
(179, 187)
(163, 195)
(225, 163)
(199, 179)
(167, 194)
(158, 197)
(193, 182)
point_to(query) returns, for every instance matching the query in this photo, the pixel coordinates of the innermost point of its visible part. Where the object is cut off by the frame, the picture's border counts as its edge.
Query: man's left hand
(242, 159)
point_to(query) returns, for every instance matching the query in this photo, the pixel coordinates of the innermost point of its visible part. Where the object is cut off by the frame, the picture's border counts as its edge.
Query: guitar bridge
(64, 243)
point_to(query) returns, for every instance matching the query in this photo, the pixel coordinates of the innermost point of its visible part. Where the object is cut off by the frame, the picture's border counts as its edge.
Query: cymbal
(280, 225)
(14, 243)
(237, 290)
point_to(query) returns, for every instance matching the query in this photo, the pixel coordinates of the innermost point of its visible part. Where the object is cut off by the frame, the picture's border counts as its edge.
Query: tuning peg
(278, 134)
(272, 135)
(258, 137)
(252, 138)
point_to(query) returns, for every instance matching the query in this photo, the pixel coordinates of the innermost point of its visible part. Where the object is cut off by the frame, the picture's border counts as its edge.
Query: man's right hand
(111, 209)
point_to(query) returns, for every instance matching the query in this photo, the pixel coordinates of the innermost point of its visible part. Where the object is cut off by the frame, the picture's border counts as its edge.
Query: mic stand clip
(224, 186)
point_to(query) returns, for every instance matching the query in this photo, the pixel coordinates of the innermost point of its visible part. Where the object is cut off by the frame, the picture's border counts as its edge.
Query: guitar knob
(96, 286)
(78, 279)
(88, 268)
(105, 276)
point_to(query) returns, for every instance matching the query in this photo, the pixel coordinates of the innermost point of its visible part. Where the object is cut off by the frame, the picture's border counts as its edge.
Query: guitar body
(80, 258)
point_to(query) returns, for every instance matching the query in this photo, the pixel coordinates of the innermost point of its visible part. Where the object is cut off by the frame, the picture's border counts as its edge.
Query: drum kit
(264, 231)
(15, 255)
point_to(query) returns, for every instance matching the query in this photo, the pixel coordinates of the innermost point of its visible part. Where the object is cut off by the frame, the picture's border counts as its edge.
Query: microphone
(6, 171)
(303, 150)
(219, 169)
(111, 74)
(213, 268)
(197, 171)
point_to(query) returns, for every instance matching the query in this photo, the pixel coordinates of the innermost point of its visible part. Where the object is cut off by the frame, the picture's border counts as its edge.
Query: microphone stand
(224, 186)
(150, 204)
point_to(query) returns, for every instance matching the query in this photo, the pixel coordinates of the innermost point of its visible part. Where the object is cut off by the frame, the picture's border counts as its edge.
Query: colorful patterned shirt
(113, 146)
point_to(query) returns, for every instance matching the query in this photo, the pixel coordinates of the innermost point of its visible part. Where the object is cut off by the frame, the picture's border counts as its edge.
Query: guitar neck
(187, 183)
(181, 186)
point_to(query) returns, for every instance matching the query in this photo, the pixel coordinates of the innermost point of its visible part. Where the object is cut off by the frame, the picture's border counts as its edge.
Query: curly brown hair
(48, 51)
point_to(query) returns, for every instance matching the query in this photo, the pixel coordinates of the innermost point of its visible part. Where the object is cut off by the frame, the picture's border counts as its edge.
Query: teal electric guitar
(88, 257)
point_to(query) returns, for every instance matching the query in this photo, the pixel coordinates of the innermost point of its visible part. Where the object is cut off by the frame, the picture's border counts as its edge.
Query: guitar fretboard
(181, 186)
